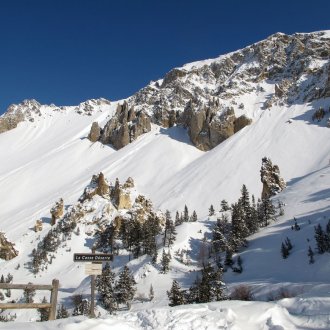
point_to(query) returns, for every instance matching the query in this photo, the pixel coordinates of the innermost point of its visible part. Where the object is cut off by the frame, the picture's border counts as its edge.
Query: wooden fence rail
(53, 297)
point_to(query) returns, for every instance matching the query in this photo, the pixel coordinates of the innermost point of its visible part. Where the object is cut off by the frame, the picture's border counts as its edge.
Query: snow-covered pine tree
(43, 312)
(219, 239)
(171, 234)
(168, 220)
(239, 231)
(224, 206)
(104, 238)
(310, 255)
(165, 262)
(185, 214)
(211, 210)
(193, 217)
(105, 286)
(125, 287)
(62, 313)
(178, 219)
(176, 295)
(211, 287)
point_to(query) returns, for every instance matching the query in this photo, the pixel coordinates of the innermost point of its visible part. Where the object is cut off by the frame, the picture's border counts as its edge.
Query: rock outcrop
(57, 211)
(271, 179)
(202, 95)
(7, 250)
(121, 196)
(97, 186)
(207, 128)
(125, 126)
(38, 225)
(95, 132)
(17, 113)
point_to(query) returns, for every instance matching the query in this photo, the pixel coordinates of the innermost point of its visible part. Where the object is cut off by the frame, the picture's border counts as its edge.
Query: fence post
(53, 299)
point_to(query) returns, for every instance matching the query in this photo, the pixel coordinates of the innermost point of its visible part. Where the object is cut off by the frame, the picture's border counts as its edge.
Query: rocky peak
(7, 250)
(125, 126)
(90, 106)
(16, 113)
(285, 61)
(271, 179)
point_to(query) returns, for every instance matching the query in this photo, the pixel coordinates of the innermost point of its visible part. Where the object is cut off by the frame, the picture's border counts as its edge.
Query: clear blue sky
(67, 51)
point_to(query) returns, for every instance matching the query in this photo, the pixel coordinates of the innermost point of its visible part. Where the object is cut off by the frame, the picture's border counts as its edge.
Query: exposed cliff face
(125, 126)
(7, 250)
(271, 179)
(203, 95)
(208, 127)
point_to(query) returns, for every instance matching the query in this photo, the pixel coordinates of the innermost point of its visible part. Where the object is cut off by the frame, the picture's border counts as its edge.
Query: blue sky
(67, 51)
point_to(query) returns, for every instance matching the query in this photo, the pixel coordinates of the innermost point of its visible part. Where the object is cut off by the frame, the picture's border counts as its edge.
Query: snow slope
(52, 158)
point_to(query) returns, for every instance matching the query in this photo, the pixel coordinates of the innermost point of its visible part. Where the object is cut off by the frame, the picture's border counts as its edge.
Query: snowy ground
(51, 158)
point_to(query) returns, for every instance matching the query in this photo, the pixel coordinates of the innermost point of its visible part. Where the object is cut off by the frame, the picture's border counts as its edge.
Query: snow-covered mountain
(193, 138)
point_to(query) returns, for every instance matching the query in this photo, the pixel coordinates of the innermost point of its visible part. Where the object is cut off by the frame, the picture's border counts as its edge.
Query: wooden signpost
(93, 268)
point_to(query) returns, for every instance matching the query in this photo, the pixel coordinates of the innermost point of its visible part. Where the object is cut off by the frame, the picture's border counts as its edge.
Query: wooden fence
(53, 297)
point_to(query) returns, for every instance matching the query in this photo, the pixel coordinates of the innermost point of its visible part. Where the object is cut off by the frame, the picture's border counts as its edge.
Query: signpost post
(94, 268)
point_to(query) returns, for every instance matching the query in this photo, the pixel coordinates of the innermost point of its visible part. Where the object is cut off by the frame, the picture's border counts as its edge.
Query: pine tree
(81, 306)
(229, 258)
(211, 287)
(311, 255)
(82, 309)
(171, 234)
(224, 206)
(239, 231)
(29, 294)
(211, 210)
(220, 234)
(151, 293)
(288, 244)
(239, 264)
(2, 279)
(43, 312)
(285, 251)
(185, 214)
(125, 287)
(320, 238)
(105, 286)
(194, 216)
(62, 313)
(176, 295)
(178, 219)
(268, 211)
(165, 262)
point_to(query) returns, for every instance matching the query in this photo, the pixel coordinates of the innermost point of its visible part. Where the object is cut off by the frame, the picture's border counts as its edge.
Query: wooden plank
(93, 266)
(93, 272)
(25, 286)
(53, 300)
(24, 306)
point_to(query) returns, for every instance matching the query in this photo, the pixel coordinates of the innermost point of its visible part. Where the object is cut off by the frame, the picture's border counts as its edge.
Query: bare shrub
(242, 292)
